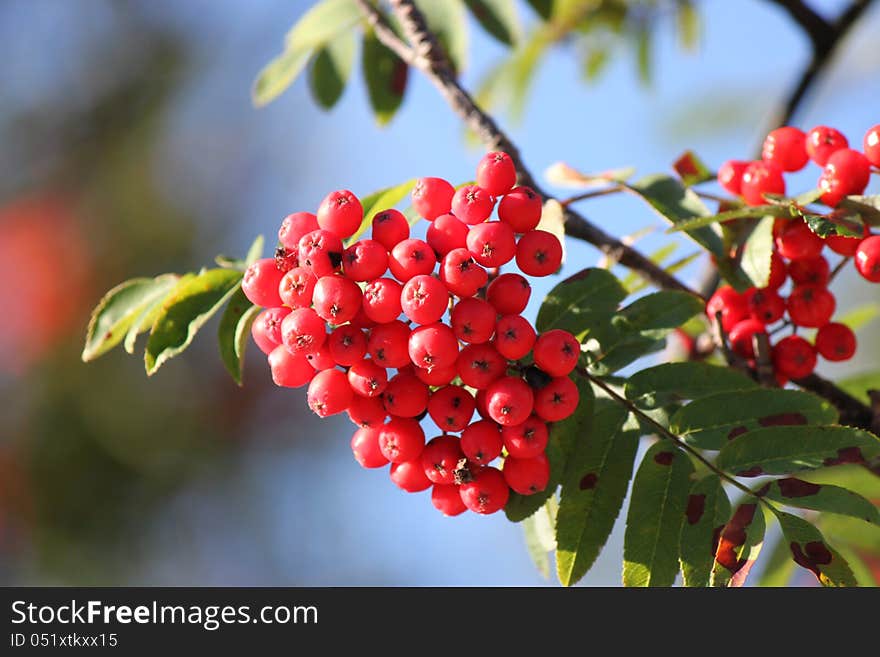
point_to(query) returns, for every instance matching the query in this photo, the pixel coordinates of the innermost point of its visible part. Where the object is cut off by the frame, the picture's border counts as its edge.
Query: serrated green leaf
(663, 384)
(810, 550)
(778, 567)
(120, 309)
(331, 69)
(655, 314)
(820, 497)
(656, 512)
(233, 332)
(564, 436)
(825, 227)
(739, 544)
(712, 421)
(145, 320)
(576, 303)
(706, 513)
(378, 201)
(538, 530)
(860, 316)
(780, 450)
(498, 17)
(448, 21)
(386, 77)
(755, 260)
(185, 311)
(596, 479)
(278, 75)
(859, 384)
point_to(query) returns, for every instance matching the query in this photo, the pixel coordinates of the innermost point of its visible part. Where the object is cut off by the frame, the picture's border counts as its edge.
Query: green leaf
(377, 202)
(691, 169)
(820, 497)
(739, 544)
(331, 69)
(860, 316)
(581, 300)
(706, 513)
(662, 384)
(185, 311)
(824, 226)
(688, 21)
(145, 320)
(538, 530)
(564, 436)
(659, 312)
(810, 550)
(255, 251)
(322, 23)
(386, 76)
(711, 422)
(859, 384)
(778, 567)
(780, 450)
(448, 21)
(278, 75)
(233, 332)
(119, 309)
(744, 212)
(656, 512)
(756, 254)
(498, 18)
(594, 62)
(867, 208)
(544, 8)
(596, 478)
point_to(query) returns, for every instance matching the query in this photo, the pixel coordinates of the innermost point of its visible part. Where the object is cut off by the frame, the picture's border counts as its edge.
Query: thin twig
(838, 269)
(763, 363)
(591, 194)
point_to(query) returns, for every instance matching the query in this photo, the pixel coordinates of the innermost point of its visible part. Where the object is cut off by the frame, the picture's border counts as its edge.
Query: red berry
(472, 204)
(538, 253)
(509, 401)
(514, 337)
(871, 145)
(388, 344)
(741, 335)
(822, 141)
(451, 408)
(424, 299)
(492, 244)
(846, 246)
(341, 213)
(401, 440)
(809, 271)
(557, 400)
(410, 476)
(289, 370)
(732, 305)
(446, 233)
(390, 228)
(796, 240)
(521, 209)
(365, 446)
(730, 176)
(266, 329)
(361, 321)
(480, 398)
(367, 411)
(481, 442)
(336, 299)
(486, 493)
(296, 287)
(836, 342)
(765, 305)
(260, 283)
(527, 476)
(321, 360)
(347, 345)
(761, 178)
(432, 197)
(320, 251)
(868, 258)
(329, 393)
(433, 345)
(786, 147)
(473, 320)
(850, 168)
(496, 173)
(526, 440)
(294, 227)
(794, 357)
(367, 378)
(461, 275)
(811, 306)
(440, 459)
(364, 260)
(778, 271)
(479, 365)
(381, 300)
(446, 499)
(436, 376)
(405, 396)
(557, 352)
(832, 189)
(509, 293)
(410, 258)
(303, 331)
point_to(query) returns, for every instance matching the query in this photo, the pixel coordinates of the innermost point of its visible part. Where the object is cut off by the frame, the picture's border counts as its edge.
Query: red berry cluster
(439, 337)
(798, 250)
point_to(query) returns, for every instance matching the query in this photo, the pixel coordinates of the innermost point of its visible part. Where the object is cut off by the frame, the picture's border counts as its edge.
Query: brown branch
(816, 27)
(852, 411)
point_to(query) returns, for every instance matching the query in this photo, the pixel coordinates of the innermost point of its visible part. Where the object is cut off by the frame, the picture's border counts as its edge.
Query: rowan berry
(765, 304)
(410, 476)
(336, 299)
(401, 440)
(364, 260)
(514, 337)
(796, 240)
(473, 320)
(836, 342)
(294, 227)
(320, 251)
(509, 400)
(481, 442)
(410, 258)
(486, 493)
(527, 439)
(846, 245)
(296, 287)
(390, 228)
(527, 476)
(809, 271)
(730, 176)
(778, 271)
(761, 178)
(496, 173)
(509, 293)
(266, 329)
(341, 213)
(538, 253)
(303, 331)
(871, 145)
(347, 345)
(557, 352)
(446, 233)
(367, 378)
(472, 204)
(479, 365)
(405, 396)
(388, 344)
(557, 400)
(432, 197)
(440, 459)
(365, 447)
(433, 345)
(851, 169)
(794, 357)
(446, 499)
(260, 283)
(732, 305)
(520, 209)
(424, 299)
(822, 141)
(810, 306)
(381, 300)
(451, 407)
(321, 359)
(367, 411)
(329, 393)
(436, 376)
(289, 370)
(867, 258)
(786, 147)
(461, 275)
(742, 334)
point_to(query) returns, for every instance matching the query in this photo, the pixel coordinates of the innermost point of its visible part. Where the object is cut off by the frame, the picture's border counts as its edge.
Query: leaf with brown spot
(810, 550)
(822, 497)
(739, 544)
(663, 384)
(707, 511)
(577, 303)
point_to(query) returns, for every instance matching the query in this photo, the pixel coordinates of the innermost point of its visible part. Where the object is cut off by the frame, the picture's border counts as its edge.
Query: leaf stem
(591, 194)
